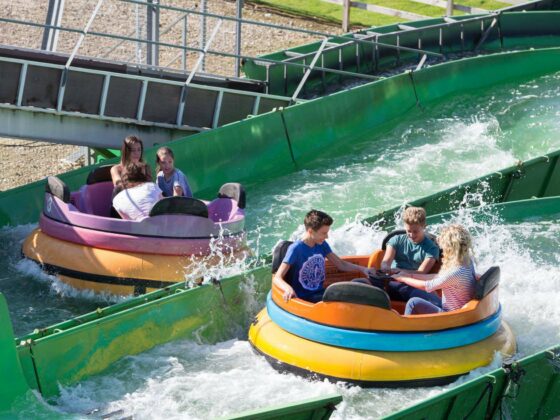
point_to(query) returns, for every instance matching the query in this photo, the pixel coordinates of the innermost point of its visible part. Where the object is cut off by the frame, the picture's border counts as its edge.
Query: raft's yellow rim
(377, 367)
(102, 270)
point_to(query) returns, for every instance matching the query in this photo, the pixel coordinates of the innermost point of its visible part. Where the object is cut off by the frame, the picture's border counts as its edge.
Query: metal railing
(26, 66)
(207, 51)
(370, 38)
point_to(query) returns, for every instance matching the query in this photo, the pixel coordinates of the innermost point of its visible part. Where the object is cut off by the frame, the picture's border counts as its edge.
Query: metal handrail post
(139, 45)
(486, 33)
(204, 8)
(152, 32)
(181, 108)
(309, 69)
(238, 15)
(184, 33)
(54, 16)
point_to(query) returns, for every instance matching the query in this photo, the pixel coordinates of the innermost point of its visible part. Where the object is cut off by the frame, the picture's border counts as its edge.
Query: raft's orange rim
(364, 317)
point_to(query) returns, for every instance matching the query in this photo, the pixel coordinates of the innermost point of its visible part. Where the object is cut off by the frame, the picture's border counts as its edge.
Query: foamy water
(197, 380)
(434, 149)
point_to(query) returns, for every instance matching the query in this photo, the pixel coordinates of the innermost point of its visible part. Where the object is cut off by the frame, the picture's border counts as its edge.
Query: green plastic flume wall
(10, 368)
(526, 389)
(279, 142)
(315, 408)
(512, 31)
(538, 177)
(80, 347)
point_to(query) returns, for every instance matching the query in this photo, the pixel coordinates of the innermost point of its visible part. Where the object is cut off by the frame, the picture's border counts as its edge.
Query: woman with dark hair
(132, 151)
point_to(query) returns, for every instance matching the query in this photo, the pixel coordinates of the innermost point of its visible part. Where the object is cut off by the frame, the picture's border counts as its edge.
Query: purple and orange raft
(79, 241)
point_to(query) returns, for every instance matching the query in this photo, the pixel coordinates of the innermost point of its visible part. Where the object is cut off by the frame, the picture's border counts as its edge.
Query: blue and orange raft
(356, 334)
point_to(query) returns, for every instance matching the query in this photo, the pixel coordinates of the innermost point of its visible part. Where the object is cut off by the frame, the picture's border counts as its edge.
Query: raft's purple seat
(222, 209)
(96, 199)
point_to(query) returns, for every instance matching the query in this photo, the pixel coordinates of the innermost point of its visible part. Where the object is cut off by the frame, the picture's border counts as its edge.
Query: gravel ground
(27, 161)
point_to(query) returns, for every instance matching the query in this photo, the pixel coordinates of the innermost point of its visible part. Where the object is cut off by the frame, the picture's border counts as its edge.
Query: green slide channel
(282, 141)
(511, 31)
(525, 389)
(538, 177)
(315, 408)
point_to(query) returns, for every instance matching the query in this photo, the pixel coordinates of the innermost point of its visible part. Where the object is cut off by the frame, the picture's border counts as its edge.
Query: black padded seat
(100, 174)
(58, 188)
(389, 236)
(235, 191)
(356, 292)
(180, 205)
(487, 282)
(278, 254)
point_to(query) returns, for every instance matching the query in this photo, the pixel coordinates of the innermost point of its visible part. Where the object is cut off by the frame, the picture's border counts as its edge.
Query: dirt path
(26, 161)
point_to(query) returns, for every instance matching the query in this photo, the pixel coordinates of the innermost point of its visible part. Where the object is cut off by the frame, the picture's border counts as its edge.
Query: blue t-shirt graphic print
(307, 273)
(312, 272)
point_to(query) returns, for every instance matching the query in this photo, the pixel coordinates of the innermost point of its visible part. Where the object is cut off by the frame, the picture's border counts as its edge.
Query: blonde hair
(414, 216)
(456, 244)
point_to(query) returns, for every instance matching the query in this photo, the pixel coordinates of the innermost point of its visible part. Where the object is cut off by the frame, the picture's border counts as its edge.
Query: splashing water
(450, 142)
(189, 380)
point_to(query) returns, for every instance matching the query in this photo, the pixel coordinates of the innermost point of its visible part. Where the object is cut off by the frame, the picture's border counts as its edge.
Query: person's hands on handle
(368, 271)
(386, 269)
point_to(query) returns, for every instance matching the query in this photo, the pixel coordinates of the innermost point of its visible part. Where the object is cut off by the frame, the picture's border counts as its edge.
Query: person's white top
(136, 202)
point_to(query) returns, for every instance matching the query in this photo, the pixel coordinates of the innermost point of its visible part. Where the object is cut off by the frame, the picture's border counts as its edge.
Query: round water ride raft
(84, 246)
(357, 334)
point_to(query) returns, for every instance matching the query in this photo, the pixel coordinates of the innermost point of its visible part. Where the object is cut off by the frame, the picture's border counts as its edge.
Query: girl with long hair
(132, 151)
(456, 278)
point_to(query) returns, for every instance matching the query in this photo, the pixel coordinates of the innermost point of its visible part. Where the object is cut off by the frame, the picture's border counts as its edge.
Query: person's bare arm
(116, 176)
(279, 281)
(424, 269)
(342, 265)
(388, 259)
(412, 280)
(426, 265)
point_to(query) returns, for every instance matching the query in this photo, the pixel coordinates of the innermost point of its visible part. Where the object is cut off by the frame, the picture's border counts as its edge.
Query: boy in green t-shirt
(410, 253)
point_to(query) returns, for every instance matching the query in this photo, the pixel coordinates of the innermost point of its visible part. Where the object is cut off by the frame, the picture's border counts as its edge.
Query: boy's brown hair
(414, 216)
(315, 219)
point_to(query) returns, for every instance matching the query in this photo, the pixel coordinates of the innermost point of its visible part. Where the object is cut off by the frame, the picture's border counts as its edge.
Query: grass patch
(407, 6)
(333, 13)
(329, 12)
(484, 4)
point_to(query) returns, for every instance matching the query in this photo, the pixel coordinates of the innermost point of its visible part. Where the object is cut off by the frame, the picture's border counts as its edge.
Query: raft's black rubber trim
(283, 367)
(139, 235)
(138, 284)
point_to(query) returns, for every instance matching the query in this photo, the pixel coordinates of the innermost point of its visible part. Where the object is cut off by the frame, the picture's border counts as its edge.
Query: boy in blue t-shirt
(413, 253)
(306, 258)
